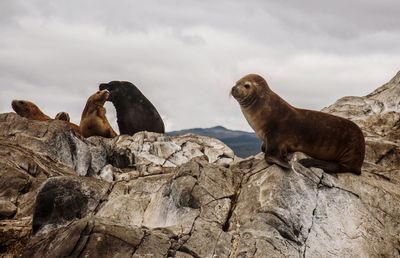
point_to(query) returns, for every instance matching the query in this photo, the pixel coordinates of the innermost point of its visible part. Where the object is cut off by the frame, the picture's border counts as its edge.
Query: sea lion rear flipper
(275, 160)
(327, 166)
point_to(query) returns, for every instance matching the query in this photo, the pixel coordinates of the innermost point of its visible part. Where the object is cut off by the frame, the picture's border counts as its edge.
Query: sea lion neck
(40, 115)
(90, 107)
(37, 114)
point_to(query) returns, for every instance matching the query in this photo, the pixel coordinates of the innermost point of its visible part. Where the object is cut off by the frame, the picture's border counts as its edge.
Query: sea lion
(64, 116)
(135, 112)
(28, 110)
(335, 144)
(31, 111)
(94, 121)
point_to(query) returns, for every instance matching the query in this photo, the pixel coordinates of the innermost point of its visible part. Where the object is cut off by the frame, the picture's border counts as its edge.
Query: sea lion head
(99, 98)
(25, 108)
(64, 116)
(120, 89)
(112, 87)
(248, 88)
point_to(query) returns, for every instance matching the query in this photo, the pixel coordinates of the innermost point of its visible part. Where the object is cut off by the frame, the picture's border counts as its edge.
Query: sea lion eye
(247, 86)
(21, 102)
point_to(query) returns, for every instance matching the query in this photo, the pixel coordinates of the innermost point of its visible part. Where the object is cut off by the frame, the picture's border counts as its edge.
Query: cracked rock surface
(151, 195)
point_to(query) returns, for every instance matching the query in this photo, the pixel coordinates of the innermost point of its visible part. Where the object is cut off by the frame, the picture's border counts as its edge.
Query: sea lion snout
(105, 94)
(103, 86)
(14, 104)
(240, 92)
(17, 105)
(235, 92)
(111, 87)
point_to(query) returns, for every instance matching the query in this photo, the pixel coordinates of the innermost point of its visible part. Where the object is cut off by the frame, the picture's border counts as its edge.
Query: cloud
(185, 55)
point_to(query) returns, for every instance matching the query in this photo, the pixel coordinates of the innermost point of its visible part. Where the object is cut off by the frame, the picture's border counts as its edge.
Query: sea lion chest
(94, 124)
(255, 122)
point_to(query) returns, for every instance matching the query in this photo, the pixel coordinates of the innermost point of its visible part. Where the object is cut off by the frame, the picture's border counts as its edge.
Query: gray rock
(7, 209)
(54, 139)
(107, 173)
(384, 99)
(150, 195)
(14, 236)
(63, 199)
(154, 152)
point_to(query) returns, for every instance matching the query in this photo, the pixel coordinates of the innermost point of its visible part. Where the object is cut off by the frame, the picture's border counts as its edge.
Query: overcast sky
(186, 55)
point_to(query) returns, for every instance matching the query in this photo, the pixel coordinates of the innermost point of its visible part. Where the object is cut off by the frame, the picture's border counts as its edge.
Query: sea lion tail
(327, 166)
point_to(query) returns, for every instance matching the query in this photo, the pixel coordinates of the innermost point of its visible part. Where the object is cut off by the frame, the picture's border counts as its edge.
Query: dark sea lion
(64, 116)
(31, 111)
(135, 112)
(94, 121)
(335, 144)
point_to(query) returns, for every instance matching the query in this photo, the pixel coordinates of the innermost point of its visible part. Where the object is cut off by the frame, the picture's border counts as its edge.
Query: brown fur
(73, 126)
(334, 143)
(64, 116)
(94, 121)
(29, 110)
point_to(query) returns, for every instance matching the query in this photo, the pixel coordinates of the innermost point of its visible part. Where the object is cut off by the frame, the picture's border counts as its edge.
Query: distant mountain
(244, 144)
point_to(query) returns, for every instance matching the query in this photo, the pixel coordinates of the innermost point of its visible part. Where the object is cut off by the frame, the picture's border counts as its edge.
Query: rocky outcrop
(383, 100)
(150, 195)
(378, 116)
(148, 153)
(34, 152)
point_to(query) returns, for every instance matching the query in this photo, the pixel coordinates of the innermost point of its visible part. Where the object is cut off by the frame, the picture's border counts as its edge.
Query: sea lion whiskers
(248, 100)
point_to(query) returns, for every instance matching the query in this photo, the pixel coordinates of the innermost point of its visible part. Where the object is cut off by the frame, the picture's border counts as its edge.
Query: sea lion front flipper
(274, 154)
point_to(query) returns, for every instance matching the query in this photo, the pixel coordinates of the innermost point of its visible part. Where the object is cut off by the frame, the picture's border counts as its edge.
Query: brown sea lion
(94, 121)
(64, 116)
(335, 144)
(28, 110)
(31, 111)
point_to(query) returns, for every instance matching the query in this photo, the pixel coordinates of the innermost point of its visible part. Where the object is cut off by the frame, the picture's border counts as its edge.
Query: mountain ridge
(243, 144)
